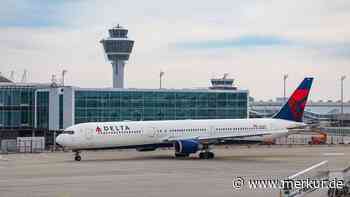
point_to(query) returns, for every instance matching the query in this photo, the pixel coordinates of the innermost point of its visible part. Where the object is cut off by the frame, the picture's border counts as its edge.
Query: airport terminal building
(314, 111)
(72, 105)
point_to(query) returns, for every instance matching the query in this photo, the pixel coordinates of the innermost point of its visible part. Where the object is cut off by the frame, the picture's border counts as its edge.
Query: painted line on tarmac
(333, 154)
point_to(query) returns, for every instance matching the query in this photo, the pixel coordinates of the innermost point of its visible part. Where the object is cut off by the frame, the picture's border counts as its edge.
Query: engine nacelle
(187, 146)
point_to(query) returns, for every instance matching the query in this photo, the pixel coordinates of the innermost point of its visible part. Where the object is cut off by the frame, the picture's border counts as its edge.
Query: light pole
(64, 72)
(160, 79)
(342, 94)
(54, 141)
(285, 77)
(342, 78)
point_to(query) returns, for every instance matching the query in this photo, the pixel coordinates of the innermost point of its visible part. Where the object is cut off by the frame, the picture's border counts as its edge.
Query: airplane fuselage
(139, 134)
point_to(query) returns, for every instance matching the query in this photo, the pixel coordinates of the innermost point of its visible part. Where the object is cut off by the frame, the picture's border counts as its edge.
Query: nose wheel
(77, 156)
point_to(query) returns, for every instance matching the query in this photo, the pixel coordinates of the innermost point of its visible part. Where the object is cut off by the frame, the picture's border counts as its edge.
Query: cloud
(26, 13)
(240, 42)
(333, 49)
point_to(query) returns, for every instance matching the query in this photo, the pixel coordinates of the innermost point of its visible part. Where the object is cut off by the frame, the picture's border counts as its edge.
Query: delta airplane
(186, 136)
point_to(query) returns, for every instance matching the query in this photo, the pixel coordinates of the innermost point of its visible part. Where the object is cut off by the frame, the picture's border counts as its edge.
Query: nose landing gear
(77, 156)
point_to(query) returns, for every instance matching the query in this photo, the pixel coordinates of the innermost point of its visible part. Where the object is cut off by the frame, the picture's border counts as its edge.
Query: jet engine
(187, 146)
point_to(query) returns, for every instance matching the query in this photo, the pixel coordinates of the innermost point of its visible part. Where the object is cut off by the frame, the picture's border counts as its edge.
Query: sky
(255, 41)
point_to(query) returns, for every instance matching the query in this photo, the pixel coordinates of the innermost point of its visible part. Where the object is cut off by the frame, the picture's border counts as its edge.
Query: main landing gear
(206, 154)
(202, 155)
(77, 156)
(181, 155)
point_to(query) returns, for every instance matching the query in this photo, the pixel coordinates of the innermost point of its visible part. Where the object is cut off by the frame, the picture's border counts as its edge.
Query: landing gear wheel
(211, 155)
(201, 155)
(181, 155)
(206, 155)
(77, 158)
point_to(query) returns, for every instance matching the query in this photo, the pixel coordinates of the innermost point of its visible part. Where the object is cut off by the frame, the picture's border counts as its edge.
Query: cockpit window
(68, 132)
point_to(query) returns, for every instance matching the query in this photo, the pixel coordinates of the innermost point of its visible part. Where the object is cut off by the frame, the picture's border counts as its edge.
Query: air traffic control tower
(118, 48)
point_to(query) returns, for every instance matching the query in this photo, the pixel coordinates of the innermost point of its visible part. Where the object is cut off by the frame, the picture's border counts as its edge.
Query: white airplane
(186, 136)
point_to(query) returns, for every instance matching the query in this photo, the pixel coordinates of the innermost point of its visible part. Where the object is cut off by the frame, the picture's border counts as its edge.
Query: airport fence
(23, 145)
(299, 139)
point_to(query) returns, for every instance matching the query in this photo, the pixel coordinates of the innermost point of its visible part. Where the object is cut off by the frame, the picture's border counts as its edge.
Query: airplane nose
(60, 140)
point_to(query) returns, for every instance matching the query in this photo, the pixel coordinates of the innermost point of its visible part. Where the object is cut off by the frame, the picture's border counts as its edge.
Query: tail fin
(294, 109)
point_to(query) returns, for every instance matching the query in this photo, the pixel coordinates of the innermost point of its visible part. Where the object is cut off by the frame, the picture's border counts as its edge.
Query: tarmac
(157, 174)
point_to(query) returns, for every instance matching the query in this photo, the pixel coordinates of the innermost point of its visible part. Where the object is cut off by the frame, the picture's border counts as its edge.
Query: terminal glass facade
(16, 107)
(97, 106)
(42, 109)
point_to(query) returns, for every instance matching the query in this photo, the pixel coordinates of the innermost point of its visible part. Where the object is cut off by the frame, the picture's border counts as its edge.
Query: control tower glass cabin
(117, 48)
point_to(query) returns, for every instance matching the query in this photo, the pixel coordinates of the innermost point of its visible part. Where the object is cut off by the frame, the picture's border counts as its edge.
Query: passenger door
(151, 132)
(89, 133)
(212, 132)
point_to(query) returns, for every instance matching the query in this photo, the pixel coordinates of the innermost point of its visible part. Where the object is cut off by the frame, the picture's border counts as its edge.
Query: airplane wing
(218, 137)
(302, 128)
(306, 126)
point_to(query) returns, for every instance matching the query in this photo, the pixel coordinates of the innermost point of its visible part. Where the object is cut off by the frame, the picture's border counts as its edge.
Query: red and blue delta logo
(297, 102)
(98, 130)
